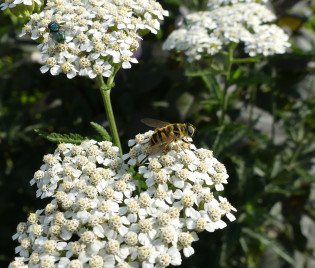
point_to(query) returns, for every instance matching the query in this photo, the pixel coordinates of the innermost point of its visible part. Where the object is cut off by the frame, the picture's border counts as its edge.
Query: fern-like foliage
(60, 138)
(101, 131)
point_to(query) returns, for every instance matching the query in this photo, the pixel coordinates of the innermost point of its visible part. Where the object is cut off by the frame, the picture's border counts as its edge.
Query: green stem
(296, 155)
(273, 111)
(299, 146)
(252, 102)
(227, 84)
(206, 81)
(245, 60)
(105, 91)
(225, 96)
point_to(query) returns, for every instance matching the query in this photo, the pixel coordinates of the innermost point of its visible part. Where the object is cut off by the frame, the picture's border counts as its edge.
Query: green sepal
(38, 7)
(22, 10)
(39, 40)
(143, 32)
(61, 138)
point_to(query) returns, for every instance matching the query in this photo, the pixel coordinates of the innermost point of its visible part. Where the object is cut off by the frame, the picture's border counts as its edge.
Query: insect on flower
(186, 21)
(165, 133)
(57, 33)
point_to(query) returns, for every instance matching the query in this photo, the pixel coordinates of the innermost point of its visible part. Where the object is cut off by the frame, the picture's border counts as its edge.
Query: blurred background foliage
(267, 141)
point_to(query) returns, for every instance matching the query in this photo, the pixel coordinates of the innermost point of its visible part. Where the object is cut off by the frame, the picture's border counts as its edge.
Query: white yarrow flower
(90, 37)
(98, 218)
(206, 33)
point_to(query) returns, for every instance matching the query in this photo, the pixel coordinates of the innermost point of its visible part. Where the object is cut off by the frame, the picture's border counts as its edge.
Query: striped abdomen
(168, 134)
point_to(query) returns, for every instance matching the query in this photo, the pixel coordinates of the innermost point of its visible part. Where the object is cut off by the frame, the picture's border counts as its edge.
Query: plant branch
(227, 83)
(105, 92)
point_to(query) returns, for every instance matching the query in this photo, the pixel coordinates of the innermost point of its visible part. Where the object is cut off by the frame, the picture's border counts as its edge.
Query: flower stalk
(227, 83)
(105, 89)
(224, 100)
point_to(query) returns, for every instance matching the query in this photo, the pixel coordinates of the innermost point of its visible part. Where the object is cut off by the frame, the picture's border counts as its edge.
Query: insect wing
(293, 21)
(162, 145)
(154, 122)
(158, 148)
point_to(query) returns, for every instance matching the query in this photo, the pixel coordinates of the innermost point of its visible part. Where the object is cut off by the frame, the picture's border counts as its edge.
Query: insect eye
(190, 130)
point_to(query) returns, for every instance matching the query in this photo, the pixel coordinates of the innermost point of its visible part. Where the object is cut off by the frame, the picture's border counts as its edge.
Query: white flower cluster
(195, 37)
(217, 3)
(14, 3)
(91, 36)
(98, 218)
(206, 33)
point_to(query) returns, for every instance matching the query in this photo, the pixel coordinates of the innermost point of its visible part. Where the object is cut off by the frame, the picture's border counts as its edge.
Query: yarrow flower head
(98, 217)
(205, 33)
(213, 4)
(88, 38)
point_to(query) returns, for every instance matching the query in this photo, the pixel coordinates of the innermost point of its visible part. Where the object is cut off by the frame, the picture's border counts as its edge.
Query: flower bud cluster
(90, 37)
(98, 217)
(205, 33)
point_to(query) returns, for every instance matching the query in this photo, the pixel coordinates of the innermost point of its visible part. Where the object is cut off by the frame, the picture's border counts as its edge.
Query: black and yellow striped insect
(165, 133)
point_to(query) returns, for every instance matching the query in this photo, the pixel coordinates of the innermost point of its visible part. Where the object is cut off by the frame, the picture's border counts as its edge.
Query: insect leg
(144, 159)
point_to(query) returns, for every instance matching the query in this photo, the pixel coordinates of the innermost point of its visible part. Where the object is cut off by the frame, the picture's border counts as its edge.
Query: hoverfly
(58, 34)
(165, 133)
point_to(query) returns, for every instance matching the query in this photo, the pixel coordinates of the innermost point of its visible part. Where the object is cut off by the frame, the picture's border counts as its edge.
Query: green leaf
(277, 166)
(273, 189)
(300, 133)
(101, 131)
(237, 73)
(60, 138)
(241, 134)
(218, 143)
(5, 29)
(305, 174)
(213, 86)
(183, 104)
(270, 243)
(198, 73)
(240, 171)
(209, 102)
(258, 170)
(160, 104)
